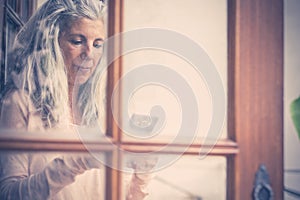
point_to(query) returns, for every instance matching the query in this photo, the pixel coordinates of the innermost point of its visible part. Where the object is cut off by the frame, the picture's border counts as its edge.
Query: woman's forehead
(85, 26)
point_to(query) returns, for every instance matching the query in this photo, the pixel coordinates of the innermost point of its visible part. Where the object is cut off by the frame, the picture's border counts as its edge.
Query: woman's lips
(83, 69)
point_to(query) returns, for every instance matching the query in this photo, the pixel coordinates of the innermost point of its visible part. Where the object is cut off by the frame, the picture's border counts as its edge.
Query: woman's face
(81, 44)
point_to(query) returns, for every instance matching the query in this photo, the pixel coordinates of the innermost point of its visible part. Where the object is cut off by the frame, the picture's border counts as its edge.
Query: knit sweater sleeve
(16, 182)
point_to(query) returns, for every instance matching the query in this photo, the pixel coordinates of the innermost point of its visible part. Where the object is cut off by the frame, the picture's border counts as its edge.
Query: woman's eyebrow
(76, 35)
(83, 36)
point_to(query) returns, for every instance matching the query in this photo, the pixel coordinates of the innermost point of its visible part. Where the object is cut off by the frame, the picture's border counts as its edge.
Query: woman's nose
(86, 53)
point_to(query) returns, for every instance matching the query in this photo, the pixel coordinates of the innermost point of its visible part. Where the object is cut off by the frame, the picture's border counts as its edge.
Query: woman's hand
(143, 173)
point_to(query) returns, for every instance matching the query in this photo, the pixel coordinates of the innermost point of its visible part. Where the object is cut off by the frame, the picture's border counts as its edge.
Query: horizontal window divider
(92, 141)
(12, 145)
(54, 141)
(222, 147)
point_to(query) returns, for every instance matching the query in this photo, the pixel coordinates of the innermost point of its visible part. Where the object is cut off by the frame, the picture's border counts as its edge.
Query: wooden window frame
(255, 102)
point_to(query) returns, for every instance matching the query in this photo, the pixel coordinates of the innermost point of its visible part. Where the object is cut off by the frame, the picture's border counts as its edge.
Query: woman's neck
(74, 109)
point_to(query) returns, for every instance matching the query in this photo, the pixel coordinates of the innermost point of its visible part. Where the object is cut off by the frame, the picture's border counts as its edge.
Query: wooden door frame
(255, 94)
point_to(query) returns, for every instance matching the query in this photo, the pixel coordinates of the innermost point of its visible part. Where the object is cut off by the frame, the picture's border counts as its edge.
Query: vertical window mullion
(113, 176)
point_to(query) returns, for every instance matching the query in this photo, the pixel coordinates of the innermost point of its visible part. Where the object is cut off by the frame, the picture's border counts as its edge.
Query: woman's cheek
(99, 56)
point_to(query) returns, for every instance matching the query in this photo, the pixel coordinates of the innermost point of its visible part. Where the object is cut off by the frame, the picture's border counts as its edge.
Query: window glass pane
(203, 23)
(49, 55)
(189, 178)
(23, 111)
(64, 175)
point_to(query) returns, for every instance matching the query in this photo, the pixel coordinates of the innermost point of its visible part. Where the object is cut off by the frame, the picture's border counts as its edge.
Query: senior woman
(55, 84)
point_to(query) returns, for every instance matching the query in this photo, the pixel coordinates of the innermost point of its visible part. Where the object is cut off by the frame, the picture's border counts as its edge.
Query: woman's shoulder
(16, 100)
(14, 109)
(15, 96)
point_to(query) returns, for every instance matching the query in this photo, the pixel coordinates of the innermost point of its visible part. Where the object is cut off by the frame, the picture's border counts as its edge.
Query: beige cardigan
(47, 175)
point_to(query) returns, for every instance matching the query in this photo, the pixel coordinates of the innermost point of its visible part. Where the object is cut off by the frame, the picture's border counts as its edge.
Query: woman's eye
(76, 42)
(98, 46)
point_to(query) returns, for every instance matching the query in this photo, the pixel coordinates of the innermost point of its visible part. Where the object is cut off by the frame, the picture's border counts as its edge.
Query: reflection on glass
(205, 23)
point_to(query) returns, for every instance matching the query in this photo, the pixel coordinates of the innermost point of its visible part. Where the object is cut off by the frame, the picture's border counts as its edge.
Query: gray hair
(39, 66)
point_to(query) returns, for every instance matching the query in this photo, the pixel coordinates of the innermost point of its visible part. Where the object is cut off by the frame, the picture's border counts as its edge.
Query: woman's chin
(80, 80)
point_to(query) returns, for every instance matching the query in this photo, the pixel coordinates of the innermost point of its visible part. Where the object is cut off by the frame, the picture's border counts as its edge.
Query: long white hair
(39, 69)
